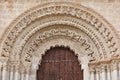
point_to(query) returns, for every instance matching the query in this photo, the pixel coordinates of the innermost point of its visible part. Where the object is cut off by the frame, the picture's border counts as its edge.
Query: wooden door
(59, 63)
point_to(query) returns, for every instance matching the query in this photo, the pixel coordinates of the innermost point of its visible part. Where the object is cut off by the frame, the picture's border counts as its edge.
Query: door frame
(83, 59)
(50, 56)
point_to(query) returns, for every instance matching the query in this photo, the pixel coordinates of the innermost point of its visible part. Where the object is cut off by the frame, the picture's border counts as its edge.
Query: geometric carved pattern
(59, 32)
(99, 30)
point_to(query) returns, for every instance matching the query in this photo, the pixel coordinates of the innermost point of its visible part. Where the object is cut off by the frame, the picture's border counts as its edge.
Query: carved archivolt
(62, 34)
(22, 31)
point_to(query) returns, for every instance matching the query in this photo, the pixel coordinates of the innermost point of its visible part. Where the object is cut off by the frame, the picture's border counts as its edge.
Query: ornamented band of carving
(59, 32)
(107, 65)
(106, 37)
(40, 26)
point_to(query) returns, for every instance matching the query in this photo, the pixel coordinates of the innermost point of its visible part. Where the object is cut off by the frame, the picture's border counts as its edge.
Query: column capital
(27, 67)
(92, 68)
(15, 65)
(11, 67)
(3, 59)
(22, 69)
(114, 64)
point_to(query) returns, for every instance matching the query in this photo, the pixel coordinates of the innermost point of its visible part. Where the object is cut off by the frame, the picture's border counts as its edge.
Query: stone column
(114, 71)
(97, 74)
(92, 73)
(22, 72)
(3, 61)
(4, 71)
(27, 70)
(27, 75)
(119, 70)
(33, 74)
(0, 70)
(17, 75)
(34, 67)
(114, 75)
(11, 73)
(22, 77)
(108, 73)
(103, 75)
(84, 61)
(86, 72)
(8, 73)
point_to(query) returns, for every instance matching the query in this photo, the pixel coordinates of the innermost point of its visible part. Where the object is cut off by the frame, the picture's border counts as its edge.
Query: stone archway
(63, 23)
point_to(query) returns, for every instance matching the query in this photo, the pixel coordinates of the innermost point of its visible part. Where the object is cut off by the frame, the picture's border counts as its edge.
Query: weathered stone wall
(10, 9)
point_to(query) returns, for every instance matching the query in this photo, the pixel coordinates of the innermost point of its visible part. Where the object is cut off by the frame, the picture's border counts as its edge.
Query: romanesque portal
(93, 40)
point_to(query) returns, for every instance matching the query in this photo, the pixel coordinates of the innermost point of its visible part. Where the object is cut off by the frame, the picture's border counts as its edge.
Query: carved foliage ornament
(58, 32)
(75, 10)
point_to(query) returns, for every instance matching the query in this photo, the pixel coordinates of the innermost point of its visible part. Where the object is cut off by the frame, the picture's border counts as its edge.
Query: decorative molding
(59, 32)
(36, 30)
(108, 38)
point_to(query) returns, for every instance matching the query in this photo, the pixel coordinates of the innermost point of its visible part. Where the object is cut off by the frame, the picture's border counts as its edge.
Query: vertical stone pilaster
(4, 71)
(92, 72)
(103, 74)
(97, 73)
(11, 72)
(114, 70)
(22, 72)
(92, 75)
(15, 70)
(34, 67)
(119, 70)
(0, 70)
(16, 75)
(114, 75)
(109, 75)
(108, 72)
(23, 76)
(27, 75)
(27, 69)
(86, 72)
(4, 61)
(85, 60)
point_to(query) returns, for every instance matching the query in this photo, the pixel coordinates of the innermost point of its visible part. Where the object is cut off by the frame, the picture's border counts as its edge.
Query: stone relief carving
(58, 32)
(39, 26)
(78, 12)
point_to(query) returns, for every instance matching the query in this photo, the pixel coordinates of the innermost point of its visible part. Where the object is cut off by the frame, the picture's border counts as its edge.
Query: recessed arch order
(62, 24)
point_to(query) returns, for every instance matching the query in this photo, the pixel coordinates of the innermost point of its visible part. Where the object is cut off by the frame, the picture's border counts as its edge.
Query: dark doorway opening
(59, 63)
